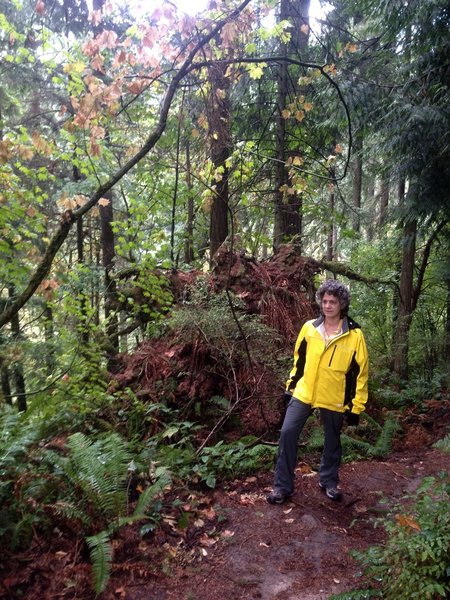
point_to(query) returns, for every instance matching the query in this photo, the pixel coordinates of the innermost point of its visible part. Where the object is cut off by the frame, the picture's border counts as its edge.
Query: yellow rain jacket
(332, 375)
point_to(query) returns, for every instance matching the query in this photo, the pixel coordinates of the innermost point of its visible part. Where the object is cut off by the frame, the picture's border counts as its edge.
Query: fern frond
(100, 468)
(148, 496)
(443, 444)
(384, 442)
(101, 556)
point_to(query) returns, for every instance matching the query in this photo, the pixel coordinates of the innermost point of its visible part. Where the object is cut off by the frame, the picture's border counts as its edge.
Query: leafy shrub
(219, 462)
(222, 327)
(233, 460)
(414, 562)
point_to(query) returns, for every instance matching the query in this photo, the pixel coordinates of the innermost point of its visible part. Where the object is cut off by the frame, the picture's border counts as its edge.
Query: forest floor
(228, 543)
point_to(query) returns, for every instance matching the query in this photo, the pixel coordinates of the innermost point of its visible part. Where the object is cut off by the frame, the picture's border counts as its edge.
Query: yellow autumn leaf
(256, 71)
(5, 151)
(285, 113)
(41, 144)
(66, 202)
(207, 205)
(351, 47)
(331, 69)
(307, 106)
(298, 160)
(300, 115)
(202, 121)
(195, 133)
(80, 199)
(407, 521)
(229, 31)
(75, 67)
(24, 152)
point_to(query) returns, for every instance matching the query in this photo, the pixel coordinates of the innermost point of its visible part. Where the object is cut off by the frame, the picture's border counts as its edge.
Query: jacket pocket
(340, 358)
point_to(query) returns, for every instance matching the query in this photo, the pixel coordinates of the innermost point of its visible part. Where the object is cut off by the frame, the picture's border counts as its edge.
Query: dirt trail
(298, 551)
(228, 543)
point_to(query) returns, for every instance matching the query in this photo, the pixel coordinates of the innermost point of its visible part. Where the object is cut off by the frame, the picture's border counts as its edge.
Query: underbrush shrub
(413, 393)
(414, 562)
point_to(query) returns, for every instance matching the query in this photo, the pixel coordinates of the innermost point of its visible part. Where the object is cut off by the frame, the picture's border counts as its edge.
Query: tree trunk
(288, 207)
(83, 295)
(108, 255)
(174, 256)
(218, 111)
(447, 337)
(396, 293)
(405, 312)
(5, 383)
(331, 237)
(384, 201)
(49, 335)
(17, 367)
(357, 181)
(370, 200)
(189, 235)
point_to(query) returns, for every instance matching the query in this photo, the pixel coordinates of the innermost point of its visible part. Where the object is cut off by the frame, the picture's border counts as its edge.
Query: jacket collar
(347, 323)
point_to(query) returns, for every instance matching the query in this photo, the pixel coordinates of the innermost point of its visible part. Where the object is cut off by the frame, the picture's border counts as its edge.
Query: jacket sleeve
(361, 392)
(299, 360)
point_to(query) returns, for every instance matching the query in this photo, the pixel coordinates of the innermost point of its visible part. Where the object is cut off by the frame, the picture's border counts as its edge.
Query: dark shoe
(277, 497)
(332, 493)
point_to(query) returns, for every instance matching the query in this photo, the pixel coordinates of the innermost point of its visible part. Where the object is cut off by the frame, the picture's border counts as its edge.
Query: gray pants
(297, 414)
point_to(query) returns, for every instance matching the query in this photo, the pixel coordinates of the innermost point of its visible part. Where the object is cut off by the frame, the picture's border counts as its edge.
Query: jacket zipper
(331, 359)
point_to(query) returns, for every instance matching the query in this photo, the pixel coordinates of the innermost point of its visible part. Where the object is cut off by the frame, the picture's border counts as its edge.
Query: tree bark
(288, 207)
(330, 235)
(49, 335)
(384, 201)
(189, 235)
(108, 256)
(447, 337)
(218, 111)
(17, 367)
(405, 307)
(5, 383)
(357, 181)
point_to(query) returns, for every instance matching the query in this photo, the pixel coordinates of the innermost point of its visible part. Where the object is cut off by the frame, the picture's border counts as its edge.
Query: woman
(330, 373)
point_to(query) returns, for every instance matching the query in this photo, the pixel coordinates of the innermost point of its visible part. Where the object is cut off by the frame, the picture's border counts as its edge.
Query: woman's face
(331, 307)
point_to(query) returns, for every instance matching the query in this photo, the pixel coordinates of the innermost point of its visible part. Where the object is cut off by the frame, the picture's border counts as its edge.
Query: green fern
(99, 544)
(443, 444)
(379, 449)
(100, 468)
(101, 556)
(383, 444)
(147, 497)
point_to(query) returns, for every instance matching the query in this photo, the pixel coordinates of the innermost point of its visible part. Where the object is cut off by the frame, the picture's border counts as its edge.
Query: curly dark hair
(337, 289)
